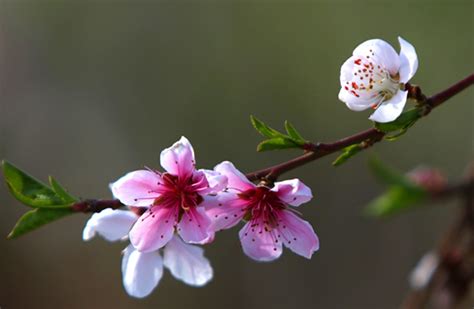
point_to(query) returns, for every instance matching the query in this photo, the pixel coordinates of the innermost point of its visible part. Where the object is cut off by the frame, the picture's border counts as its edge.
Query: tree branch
(367, 137)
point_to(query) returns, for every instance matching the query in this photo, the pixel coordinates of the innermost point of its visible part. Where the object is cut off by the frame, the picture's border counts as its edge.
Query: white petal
(408, 61)
(365, 99)
(141, 271)
(111, 224)
(187, 262)
(391, 109)
(383, 54)
(352, 102)
(424, 270)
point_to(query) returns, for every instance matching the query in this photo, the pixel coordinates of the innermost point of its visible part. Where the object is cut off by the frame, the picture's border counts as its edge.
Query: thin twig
(368, 137)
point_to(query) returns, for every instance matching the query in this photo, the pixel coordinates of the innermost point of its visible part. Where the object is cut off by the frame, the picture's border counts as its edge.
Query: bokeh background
(93, 89)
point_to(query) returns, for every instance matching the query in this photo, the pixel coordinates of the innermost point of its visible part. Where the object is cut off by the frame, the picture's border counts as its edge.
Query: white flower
(142, 271)
(374, 77)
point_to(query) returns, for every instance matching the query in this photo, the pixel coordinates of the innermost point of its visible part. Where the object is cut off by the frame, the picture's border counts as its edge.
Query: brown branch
(367, 137)
(92, 205)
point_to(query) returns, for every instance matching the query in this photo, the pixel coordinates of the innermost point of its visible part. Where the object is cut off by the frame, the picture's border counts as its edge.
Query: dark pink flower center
(179, 192)
(263, 204)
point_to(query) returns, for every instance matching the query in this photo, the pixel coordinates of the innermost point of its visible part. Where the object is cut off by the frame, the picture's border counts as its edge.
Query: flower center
(262, 203)
(371, 80)
(178, 192)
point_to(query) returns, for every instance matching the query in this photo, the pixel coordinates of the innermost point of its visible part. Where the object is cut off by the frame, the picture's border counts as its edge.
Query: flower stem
(367, 137)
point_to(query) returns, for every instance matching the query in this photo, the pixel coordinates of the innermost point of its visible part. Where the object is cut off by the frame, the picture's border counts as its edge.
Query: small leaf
(403, 122)
(277, 143)
(29, 190)
(396, 199)
(61, 192)
(395, 136)
(347, 153)
(263, 129)
(295, 135)
(35, 218)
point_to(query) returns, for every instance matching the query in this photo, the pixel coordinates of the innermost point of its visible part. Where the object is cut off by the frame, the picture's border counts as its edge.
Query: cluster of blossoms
(176, 210)
(180, 208)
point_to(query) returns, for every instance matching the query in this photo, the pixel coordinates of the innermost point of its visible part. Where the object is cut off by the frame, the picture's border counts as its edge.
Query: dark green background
(93, 89)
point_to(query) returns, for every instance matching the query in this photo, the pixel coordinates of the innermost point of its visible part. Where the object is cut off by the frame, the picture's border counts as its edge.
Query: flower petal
(153, 229)
(141, 271)
(225, 210)
(187, 262)
(259, 243)
(390, 109)
(235, 179)
(138, 188)
(356, 101)
(179, 158)
(293, 192)
(111, 224)
(408, 61)
(195, 226)
(217, 182)
(297, 234)
(381, 53)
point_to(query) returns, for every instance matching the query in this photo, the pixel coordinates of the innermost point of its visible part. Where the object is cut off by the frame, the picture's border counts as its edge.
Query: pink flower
(142, 271)
(175, 199)
(271, 222)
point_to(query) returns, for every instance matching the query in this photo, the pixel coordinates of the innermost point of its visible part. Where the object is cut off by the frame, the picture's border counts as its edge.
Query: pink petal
(179, 158)
(293, 192)
(216, 181)
(298, 235)
(195, 226)
(153, 229)
(138, 188)
(235, 179)
(225, 210)
(258, 243)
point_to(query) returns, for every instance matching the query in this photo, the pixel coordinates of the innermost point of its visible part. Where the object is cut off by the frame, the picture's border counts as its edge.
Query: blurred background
(91, 90)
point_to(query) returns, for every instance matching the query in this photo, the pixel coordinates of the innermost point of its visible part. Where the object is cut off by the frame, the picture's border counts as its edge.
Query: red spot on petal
(358, 61)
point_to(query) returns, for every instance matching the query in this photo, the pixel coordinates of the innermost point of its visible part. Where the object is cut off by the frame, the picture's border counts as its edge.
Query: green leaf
(347, 153)
(263, 129)
(396, 199)
(35, 218)
(61, 192)
(295, 135)
(29, 190)
(403, 122)
(277, 143)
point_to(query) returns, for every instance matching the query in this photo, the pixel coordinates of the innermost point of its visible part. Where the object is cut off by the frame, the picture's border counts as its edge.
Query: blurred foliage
(402, 193)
